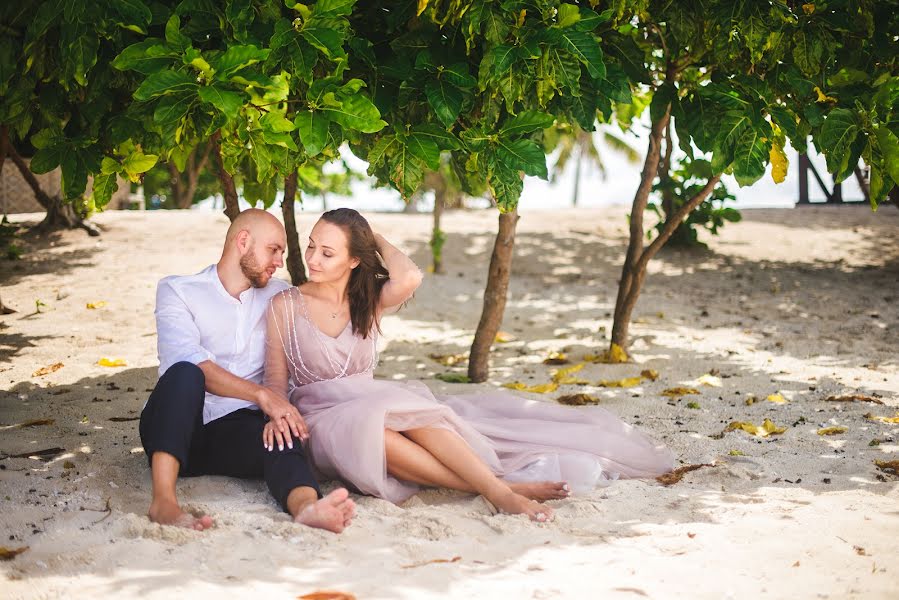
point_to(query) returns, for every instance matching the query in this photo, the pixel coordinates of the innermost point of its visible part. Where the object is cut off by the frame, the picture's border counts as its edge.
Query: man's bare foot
(167, 512)
(541, 491)
(334, 512)
(516, 504)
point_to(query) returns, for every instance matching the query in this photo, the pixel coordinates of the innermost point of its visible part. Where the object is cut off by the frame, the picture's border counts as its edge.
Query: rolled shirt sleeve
(178, 338)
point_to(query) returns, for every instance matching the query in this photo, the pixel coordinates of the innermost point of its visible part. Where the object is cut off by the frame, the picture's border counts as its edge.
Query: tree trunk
(437, 235)
(229, 191)
(665, 176)
(624, 304)
(894, 196)
(577, 174)
(4, 145)
(185, 191)
(59, 215)
(5, 310)
(494, 297)
(294, 255)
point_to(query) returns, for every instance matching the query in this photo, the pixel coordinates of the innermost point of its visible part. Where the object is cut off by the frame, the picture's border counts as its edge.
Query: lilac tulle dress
(331, 382)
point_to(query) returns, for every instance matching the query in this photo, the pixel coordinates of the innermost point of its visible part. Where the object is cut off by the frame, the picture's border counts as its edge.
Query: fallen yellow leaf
(831, 430)
(614, 355)
(577, 399)
(871, 417)
(678, 474)
(540, 388)
(502, 337)
(736, 453)
(764, 430)
(96, 305)
(650, 374)
(620, 383)
(750, 400)
(448, 359)
(777, 398)
(47, 370)
(112, 362)
(709, 380)
(676, 392)
(563, 376)
(888, 465)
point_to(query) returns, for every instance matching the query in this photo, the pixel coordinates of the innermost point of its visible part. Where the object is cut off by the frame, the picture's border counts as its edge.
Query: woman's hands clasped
(285, 421)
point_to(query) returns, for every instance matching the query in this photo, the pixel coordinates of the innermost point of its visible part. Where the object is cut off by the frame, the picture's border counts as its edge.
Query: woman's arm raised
(405, 276)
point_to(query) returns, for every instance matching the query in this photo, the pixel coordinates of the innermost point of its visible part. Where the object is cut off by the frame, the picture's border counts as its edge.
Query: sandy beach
(791, 315)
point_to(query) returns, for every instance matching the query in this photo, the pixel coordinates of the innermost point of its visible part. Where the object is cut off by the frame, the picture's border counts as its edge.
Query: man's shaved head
(254, 220)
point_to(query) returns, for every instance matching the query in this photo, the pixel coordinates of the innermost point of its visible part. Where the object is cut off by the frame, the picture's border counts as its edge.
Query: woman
(387, 438)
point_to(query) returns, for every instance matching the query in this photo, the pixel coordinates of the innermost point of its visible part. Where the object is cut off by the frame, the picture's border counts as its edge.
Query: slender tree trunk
(494, 297)
(324, 201)
(437, 235)
(665, 176)
(577, 174)
(229, 191)
(5, 310)
(894, 196)
(624, 304)
(294, 255)
(185, 191)
(59, 215)
(178, 191)
(4, 145)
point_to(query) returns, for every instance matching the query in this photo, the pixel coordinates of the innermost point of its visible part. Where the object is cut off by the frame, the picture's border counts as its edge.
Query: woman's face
(328, 253)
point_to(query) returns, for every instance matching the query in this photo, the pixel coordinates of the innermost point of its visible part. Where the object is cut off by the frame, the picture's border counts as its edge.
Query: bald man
(208, 410)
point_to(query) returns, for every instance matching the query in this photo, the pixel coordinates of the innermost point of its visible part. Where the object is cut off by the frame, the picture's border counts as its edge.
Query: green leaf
(260, 154)
(568, 15)
(445, 99)
(495, 27)
(502, 56)
(47, 159)
(424, 148)
(379, 151)
(275, 121)
(80, 56)
(236, 58)
(458, 75)
(313, 130)
(406, 171)
(732, 127)
(165, 82)
(526, 122)
(328, 41)
(74, 177)
(475, 139)
(139, 162)
(444, 139)
(585, 48)
(229, 102)
(808, 51)
(334, 8)
(888, 144)
(356, 112)
(172, 108)
(522, 155)
(146, 57)
(173, 34)
(752, 152)
(847, 76)
(302, 58)
(837, 134)
(567, 71)
(506, 186)
(105, 186)
(661, 98)
(109, 166)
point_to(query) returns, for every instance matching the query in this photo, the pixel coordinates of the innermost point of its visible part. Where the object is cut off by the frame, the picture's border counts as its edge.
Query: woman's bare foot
(334, 512)
(516, 504)
(541, 491)
(167, 512)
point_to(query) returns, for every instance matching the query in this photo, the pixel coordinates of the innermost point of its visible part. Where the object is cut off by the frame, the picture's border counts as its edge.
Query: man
(208, 410)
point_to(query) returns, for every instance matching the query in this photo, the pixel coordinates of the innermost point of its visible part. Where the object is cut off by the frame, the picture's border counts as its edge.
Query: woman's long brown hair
(369, 276)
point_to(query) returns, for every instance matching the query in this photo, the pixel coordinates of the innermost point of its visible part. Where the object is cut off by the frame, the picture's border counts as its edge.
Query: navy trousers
(172, 421)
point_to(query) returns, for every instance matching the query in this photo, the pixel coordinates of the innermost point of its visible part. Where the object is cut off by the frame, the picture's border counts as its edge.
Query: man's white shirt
(198, 320)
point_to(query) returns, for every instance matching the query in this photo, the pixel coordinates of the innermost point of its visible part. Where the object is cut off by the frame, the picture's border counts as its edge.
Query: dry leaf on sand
(614, 355)
(831, 430)
(764, 430)
(678, 474)
(650, 374)
(577, 399)
(540, 388)
(853, 398)
(556, 358)
(11, 553)
(96, 305)
(112, 362)
(888, 466)
(327, 595)
(31, 423)
(777, 398)
(448, 359)
(679, 391)
(563, 376)
(872, 417)
(431, 562)
(620, 383)
(47, 370)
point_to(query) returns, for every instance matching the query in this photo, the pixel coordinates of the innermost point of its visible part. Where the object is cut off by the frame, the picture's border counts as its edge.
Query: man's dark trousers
(172, 421)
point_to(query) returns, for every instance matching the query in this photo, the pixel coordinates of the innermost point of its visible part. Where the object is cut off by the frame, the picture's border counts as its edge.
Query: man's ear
(242, 239)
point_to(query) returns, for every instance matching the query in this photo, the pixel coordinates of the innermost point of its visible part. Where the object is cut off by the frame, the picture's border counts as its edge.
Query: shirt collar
(217, 282)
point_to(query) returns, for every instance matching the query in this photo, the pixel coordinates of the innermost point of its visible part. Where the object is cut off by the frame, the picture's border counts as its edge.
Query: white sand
(803, 302)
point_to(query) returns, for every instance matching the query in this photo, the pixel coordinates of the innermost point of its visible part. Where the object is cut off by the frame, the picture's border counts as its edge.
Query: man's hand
(284, 417)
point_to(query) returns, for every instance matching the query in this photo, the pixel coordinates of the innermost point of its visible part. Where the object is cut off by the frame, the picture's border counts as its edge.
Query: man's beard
(250, 268)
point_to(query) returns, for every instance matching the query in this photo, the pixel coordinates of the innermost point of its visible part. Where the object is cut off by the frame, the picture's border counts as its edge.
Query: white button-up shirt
(198, 320)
